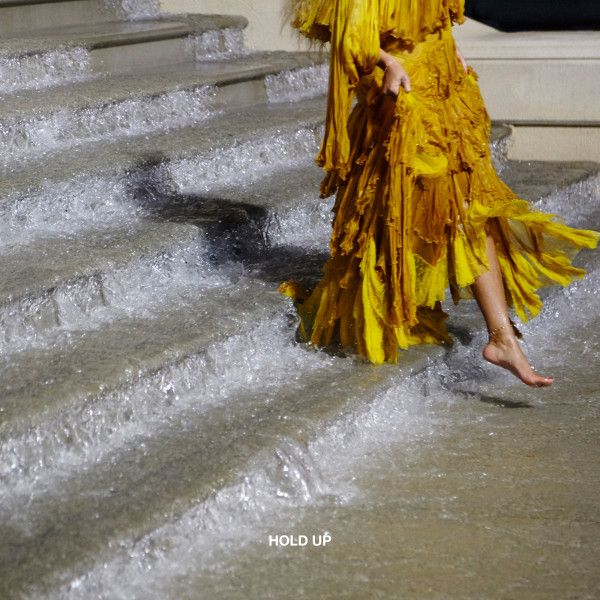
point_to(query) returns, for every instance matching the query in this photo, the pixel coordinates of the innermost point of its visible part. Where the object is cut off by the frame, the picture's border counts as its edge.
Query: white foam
(42, 70)
(242, 163)
(218, 44)
(135, 9)
(298, 84)
(65, 128)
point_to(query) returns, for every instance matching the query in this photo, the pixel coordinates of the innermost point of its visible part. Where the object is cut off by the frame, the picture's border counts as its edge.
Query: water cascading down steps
(157, 419)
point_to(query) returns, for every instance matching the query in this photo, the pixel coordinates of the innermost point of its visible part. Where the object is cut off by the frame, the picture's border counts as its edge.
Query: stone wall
(267, 29)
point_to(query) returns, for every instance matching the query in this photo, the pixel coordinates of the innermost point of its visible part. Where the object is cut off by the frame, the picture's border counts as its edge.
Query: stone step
(123, 106)
(64, 54)
(536, 180)
(23, 16)
(100, 369)
(211, 447)
(37, 269)
(243, 128)
(85, 281)
(518, 72)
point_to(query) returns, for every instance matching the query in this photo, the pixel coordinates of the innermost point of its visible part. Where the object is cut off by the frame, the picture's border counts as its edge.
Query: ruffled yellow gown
(415, 186)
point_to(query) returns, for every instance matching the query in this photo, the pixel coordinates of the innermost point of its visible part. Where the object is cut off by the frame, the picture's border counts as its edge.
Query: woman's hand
(394, 76)
(462, 60)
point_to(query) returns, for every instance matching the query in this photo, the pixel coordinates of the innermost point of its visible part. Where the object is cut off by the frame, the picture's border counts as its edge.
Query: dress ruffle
(406, 20)
(411, 217)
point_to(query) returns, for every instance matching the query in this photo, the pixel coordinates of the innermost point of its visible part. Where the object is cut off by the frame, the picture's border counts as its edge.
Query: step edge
(147, 367)
(219, 80)
(182, 27)
(89, 272)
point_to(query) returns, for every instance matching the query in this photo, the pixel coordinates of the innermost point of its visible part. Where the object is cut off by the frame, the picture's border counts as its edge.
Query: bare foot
(506, 352)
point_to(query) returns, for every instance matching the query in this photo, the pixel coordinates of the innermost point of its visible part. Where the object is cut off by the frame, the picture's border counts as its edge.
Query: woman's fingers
(403, 82)
(406, 82)
(462, 60)
(393, 81)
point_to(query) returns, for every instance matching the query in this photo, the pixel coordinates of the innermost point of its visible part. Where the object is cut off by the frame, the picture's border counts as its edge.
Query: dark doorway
(527, 15)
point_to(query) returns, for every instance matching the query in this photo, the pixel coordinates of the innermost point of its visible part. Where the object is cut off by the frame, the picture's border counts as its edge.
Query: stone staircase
(156, 415)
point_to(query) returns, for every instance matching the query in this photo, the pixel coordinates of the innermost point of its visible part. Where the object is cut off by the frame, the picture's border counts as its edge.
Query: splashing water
(500, 153)
(244, 163)
(63, 208)
(135, 9)
(305, 227)
(298, 84)
(38, 71)
(68, 128)
(219, 44)
(113, 292)
(581, 198)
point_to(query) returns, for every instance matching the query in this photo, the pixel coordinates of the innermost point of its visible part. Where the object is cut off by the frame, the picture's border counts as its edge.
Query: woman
(419, 206)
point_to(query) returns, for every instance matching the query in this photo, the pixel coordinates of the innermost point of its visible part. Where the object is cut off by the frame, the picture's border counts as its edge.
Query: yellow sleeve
(457, 11)
(352, 27)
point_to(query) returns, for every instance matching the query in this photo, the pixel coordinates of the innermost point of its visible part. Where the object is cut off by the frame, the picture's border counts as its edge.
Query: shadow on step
(234, 230)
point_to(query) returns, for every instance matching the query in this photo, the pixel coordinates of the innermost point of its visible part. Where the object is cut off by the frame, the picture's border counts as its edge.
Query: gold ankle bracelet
(492, 332)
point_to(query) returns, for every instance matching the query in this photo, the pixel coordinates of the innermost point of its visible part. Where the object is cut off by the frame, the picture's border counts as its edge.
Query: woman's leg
(503, 348)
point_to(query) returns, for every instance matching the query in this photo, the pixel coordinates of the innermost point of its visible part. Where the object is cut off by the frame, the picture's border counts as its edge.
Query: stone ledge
(482, 42)
(114, 33)
(542, 77)
(530, 142)
(11, 3)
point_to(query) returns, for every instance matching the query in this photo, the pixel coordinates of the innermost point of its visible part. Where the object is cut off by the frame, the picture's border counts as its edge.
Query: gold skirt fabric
(410, 220)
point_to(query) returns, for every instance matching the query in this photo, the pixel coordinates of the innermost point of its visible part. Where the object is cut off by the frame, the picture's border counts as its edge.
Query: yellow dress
(415, 186)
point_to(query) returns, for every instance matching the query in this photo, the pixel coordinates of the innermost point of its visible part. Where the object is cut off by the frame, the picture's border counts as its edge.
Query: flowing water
(159, 424)
(134, 9)
(295, 85)
(42, 70)
(66, 128)
(218, 44)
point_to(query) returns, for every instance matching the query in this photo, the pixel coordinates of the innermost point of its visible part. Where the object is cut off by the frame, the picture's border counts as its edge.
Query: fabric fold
(354, 53)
